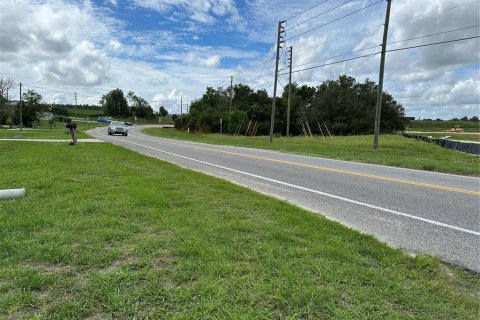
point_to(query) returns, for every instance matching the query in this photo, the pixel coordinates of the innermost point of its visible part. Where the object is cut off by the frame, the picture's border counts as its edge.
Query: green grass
(84, 113)
(106, 233)
(432, 125)
(456, 136)
(393, 150)
(58, 132)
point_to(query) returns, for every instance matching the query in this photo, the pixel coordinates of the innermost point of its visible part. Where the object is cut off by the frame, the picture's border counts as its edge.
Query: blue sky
(164, 50)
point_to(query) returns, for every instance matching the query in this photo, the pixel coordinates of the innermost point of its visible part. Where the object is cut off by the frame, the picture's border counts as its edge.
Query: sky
(169, 51)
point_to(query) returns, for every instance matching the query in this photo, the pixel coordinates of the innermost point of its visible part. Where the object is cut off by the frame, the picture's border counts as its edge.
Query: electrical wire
(306, 10)
(390, 50)
(335, 20)
(339, 38)
(336, 62)
(434, 34)
(434, 12)
(432, 44)
(58, 91)
(318, 15)
(340, 55)
(41, 88)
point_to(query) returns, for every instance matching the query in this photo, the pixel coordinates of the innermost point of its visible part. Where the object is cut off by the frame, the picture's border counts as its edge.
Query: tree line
(113, 104)
(116, 104)
(344, 106)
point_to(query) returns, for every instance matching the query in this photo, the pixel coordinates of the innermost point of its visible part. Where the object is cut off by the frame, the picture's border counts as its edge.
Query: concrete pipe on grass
(8, 194)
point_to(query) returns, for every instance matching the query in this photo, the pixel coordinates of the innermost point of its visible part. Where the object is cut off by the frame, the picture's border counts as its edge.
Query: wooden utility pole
(279, 42)
(76, 107)
(290, 58)
(230, 107)
(378, 109)
(231, 94)
(21, 102)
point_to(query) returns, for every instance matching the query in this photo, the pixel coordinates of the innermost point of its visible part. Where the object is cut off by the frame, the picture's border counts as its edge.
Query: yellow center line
(347, 172)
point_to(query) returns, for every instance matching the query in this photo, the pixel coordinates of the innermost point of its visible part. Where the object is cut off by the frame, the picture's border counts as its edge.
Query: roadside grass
(432, 125)
(453, 136)
(85, 113)
(393, 150)
(105, 233)
(58, 132)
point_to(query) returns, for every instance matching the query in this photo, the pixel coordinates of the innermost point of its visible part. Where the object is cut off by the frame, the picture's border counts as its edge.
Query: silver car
(118, 127)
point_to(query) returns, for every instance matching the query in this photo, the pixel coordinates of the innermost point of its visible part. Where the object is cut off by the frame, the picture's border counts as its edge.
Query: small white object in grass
(8, 194)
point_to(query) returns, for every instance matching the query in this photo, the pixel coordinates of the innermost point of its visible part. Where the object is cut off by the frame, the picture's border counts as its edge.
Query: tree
(474, 118)
(31, 107)
(6, 111)
(348, 107)
(206, 112)
(140, 107)
(115, 104)
(237, 119)
(163, 112)
(6, 85)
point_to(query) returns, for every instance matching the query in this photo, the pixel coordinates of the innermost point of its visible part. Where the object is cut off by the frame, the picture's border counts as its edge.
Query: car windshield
(120, 124)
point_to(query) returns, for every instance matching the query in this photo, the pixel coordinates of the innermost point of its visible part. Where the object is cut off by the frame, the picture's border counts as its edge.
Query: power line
(340, 38)
(433, 43)
(255, 67)
(337, 19)
(58, 91)
(254, 73)
(318, 15)
(434, 34)
(336, 62)
(434, 12)
(306, 10)
(340, 55)
(391, 50)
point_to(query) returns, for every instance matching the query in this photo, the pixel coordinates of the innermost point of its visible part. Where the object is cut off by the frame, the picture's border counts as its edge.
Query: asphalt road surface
(418, 211)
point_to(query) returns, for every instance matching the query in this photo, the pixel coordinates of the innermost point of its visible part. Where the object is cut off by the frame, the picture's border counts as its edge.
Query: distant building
(46, 116)
(409, 118)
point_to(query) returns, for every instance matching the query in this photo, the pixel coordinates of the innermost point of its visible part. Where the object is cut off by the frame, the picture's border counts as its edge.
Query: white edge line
(322, 158)
(398, 213)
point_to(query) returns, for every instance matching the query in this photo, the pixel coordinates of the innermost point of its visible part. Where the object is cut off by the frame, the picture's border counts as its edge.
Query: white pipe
(12, 194)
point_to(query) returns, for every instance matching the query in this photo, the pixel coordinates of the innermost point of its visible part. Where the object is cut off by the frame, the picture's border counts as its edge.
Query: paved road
(418, 211)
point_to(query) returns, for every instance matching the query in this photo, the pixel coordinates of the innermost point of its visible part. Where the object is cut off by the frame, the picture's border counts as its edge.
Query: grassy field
(432, 125)
(105, 233)
(58, 132)
(85, 113)
(456, 136)
(393, 150)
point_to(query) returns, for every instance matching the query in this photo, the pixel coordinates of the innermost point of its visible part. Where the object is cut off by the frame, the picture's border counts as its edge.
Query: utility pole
(21, 102)
(181, 112)
(280, 41)
(378, 108)
(231, 101)
(290, 62)
(76, 107)
(231, 94)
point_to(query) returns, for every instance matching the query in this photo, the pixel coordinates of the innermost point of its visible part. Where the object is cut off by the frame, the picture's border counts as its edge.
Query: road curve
(419, 211)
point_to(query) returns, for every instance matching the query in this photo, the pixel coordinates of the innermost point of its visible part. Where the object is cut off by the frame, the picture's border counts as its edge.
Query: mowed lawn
(393, 150)
(105, 233)
(58, 132)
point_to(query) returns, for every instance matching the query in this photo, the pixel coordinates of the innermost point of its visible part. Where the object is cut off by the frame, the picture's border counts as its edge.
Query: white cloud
(115, 45)
(84, 65)
(49, 44)
(203, 11)
(64, 44)
(210, 62)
